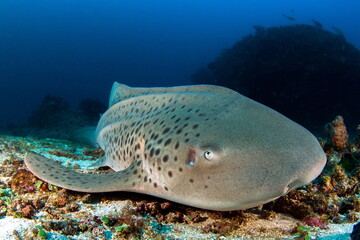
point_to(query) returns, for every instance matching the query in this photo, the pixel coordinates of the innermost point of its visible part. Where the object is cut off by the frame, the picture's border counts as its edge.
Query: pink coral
(315, 222)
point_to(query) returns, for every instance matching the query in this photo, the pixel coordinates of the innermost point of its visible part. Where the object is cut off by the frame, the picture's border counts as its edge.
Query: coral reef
(92, 109)
(303, 71)
(49, 112)
(55, 212)
(55, 119)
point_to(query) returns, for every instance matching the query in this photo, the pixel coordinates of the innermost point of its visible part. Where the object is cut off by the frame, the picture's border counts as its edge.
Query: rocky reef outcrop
(303, 71)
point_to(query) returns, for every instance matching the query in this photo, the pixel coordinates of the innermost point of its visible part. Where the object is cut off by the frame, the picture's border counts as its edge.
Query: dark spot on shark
(167, 142)
(166, 130)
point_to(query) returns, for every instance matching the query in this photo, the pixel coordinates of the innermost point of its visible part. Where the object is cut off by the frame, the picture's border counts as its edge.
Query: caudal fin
(58, 175)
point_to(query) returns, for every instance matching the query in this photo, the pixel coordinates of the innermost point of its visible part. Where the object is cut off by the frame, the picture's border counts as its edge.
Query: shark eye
(208, 155)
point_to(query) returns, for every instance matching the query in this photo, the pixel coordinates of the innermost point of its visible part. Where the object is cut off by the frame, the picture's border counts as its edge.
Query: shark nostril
(192, 157)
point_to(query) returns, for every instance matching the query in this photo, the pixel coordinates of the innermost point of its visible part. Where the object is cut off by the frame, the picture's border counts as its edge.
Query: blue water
(76, 49)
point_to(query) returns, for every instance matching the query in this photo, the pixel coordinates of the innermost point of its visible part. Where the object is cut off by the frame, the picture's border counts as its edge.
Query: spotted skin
(204, 146)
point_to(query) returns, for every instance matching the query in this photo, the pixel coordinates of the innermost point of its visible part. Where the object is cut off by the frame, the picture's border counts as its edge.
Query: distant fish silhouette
(288, 17)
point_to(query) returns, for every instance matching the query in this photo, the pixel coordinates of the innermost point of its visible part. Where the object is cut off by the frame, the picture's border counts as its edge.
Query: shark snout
(309, 173)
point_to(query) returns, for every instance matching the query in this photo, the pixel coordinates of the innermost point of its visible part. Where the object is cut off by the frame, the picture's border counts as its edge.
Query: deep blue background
(76, 49)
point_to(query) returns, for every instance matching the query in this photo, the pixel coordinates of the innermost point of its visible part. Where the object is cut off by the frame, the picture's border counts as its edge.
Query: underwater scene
(156, 119)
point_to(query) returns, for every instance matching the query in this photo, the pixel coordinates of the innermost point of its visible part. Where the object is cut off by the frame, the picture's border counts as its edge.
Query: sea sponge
(336, 131)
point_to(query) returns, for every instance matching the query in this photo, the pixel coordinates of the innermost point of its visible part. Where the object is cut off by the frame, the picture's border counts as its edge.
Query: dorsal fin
(120, 92)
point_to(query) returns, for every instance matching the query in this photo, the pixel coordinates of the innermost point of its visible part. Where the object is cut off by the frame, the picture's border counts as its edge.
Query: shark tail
(58, 175)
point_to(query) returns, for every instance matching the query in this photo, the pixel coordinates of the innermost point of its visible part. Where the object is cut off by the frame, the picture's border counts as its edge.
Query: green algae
(39, 183)
(41, 232)
(122, 227)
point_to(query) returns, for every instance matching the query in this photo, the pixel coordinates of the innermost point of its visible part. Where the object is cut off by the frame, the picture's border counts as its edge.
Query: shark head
(240, 156)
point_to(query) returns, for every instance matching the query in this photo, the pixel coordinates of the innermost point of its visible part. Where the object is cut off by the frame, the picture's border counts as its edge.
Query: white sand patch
(9, 224)
(335, 232)
(113, 208)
